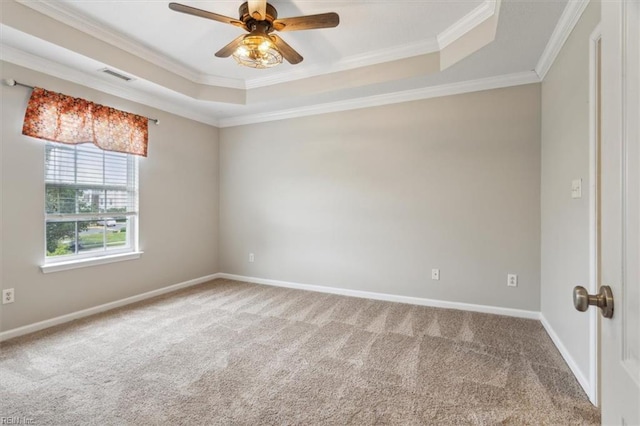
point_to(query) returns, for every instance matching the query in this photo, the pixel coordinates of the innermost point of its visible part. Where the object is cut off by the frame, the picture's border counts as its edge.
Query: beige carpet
(227, 352)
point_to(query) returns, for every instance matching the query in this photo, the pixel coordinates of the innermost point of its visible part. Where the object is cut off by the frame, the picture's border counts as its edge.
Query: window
(91, 202)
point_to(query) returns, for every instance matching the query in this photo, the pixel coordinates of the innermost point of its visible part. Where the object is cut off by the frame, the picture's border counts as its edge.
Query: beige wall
(369, 200)
(178, 211)
(373, 199)
(565, 156)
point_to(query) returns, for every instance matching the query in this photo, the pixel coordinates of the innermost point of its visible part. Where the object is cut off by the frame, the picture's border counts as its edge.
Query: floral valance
(61, 118)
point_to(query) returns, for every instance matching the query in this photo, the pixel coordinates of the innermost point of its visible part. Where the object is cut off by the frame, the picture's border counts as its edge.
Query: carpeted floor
(227, 352)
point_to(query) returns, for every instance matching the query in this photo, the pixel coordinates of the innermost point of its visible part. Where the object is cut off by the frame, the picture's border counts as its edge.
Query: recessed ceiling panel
(366, 28)
(171, 54)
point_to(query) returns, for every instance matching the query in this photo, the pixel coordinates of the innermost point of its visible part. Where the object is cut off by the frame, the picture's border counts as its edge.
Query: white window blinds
(91, 198)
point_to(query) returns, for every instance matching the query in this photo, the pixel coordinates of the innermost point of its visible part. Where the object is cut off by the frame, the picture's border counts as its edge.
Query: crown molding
(36, 63)
(64, 14)
(468, 22)
(465, 24)
(45, 66)
(517, 79)
(568, 20)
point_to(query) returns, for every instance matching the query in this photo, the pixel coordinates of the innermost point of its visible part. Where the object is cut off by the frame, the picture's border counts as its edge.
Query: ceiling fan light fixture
(257, 51)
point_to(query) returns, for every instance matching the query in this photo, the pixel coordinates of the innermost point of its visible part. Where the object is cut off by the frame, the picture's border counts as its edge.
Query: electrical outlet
(8, 296)
(251, 257)
(512, 280)
(435, 274)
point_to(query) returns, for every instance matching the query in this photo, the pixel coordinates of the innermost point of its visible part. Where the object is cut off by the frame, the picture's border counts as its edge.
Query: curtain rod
(12, 82)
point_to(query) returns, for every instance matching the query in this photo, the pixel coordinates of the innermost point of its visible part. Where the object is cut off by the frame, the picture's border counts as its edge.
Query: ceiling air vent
(116, 74)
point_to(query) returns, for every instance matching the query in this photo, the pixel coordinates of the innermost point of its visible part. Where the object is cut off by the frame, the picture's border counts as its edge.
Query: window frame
(89, 258)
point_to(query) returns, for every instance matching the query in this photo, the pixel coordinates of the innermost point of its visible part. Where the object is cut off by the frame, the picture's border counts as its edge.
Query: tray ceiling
(379, 48)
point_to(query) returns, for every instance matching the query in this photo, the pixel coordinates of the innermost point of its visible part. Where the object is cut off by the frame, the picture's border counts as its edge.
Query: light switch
(576, 188)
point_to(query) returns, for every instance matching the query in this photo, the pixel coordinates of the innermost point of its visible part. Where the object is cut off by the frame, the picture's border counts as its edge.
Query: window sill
(83, 263)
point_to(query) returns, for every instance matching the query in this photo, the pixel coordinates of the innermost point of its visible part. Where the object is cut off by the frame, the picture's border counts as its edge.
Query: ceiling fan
(260, 48)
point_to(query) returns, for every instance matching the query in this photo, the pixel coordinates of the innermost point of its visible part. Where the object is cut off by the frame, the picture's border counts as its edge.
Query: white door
(620, 336)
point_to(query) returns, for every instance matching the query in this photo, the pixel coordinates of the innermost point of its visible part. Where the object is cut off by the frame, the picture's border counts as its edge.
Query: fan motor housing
(272, 13)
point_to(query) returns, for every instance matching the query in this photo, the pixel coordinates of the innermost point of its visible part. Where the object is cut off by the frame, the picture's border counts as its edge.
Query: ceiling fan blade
(204, 14)
(309, 22)
(258, 9)
(287, 51)
(226, 51)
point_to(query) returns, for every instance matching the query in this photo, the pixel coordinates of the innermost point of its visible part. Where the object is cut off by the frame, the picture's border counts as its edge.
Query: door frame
(594, 217)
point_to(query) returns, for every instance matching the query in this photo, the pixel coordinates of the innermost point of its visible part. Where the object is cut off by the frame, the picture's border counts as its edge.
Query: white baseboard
(31, 328)
(389, 297)
(568, 358)
(9, 334)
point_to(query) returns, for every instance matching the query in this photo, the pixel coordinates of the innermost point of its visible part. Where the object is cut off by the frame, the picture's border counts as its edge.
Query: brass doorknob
(603, 300)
